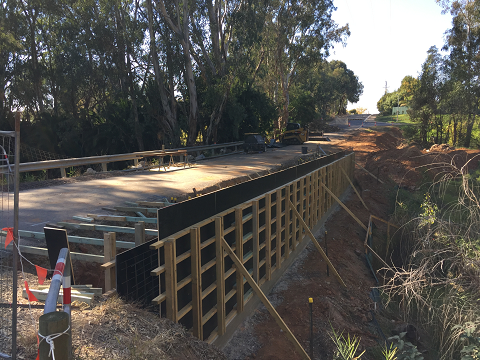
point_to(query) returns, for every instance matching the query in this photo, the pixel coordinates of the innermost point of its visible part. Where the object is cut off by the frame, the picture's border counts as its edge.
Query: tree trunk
(169, 121)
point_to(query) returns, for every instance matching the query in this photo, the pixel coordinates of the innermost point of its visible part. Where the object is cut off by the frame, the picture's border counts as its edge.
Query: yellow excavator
(294, 134)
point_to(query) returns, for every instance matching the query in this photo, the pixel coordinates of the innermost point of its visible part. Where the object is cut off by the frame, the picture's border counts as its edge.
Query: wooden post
(171, 279)
(50, 324)
(265, 301)
(317, 245)
(139, 233)
(343, 205)
(308, 213)
(135, 162)
(196, 282)
(104, 167)
(323, 200)
(220, 272)
(278, 228)
(63, 174)
(268, 232)
(255, 239)
(294, 221)
(109, 253)
(239, 250)
(355, 189)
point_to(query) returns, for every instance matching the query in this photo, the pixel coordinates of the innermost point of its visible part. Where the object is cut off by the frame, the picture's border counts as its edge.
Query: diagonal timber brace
(263, 298)
(344, 206)
(315, 242)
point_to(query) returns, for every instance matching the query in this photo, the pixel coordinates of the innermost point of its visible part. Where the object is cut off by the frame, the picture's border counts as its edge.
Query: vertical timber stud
(308, 213)
(196, 282)
(255, 239)
(268, 232)
(220, 269)
(278, 229)
(139, 233)
(171, 279)
(109, 253)
(315, 197)
(299, 205)
(288, 220)
(322, 192)
(294, 221)
(239, 250)
(256, 289)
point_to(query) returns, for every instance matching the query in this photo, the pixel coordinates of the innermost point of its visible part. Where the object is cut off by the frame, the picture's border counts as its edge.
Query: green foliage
(429, 211)
(470, 338)
(346, 347)
(405, 349)
(390, 353)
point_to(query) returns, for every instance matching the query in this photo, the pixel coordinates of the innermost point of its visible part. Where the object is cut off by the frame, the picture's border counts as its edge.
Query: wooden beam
(343, 205)
(220, 272)
(268, 240)
(301, 351)
(109, 253)
(139, 233)
(239, 251)
(196, 282)
(368, 172)
(171, 279)
(278, 229)
(255, 239)
(317, 245)
(355, 189)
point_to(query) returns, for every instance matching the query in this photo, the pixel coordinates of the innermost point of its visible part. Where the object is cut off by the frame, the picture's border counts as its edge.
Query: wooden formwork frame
(262, 233)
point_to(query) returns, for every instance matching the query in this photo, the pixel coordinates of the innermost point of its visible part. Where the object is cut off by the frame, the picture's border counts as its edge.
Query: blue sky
(389, 40)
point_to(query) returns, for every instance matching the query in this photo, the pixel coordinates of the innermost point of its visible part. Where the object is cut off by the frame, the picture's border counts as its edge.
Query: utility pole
(398, 105)
(386, 88)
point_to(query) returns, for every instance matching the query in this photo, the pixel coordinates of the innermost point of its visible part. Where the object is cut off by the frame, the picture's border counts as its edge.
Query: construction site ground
(113, 329)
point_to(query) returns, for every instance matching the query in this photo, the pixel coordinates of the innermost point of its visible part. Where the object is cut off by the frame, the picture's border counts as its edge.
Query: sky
(389, 40)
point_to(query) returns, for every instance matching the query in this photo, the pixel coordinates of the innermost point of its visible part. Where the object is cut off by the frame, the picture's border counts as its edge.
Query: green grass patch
(404, 118)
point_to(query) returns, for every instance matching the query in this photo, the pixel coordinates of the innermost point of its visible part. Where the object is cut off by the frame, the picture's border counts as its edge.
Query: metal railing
(62, 164)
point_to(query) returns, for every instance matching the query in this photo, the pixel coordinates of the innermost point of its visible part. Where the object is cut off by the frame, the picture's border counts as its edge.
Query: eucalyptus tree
(298, 32)
(463, 41)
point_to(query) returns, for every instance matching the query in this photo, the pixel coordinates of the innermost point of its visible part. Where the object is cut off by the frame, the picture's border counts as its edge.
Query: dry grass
(439, 285)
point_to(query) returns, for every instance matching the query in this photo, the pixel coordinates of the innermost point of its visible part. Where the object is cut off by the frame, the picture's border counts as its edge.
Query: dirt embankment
(345, 309)
(113, 329)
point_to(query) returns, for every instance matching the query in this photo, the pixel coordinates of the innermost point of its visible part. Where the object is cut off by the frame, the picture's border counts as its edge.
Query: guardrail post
(104, 167)
(135, 162)
(139, 233)
(109, 253)
(63, 173)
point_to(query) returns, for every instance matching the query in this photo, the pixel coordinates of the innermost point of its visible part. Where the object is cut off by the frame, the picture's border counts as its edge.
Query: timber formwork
(198, 284)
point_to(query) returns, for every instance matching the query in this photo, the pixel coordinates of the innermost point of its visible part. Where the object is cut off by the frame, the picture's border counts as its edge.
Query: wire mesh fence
(7, 308)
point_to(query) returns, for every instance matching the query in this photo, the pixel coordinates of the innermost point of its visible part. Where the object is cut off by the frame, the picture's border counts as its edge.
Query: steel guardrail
(105, 159)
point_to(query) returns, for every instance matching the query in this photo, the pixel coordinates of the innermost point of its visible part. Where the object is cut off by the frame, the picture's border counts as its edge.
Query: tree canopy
(96, 77)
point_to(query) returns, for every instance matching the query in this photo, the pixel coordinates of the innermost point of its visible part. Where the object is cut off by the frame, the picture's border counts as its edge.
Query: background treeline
(98, 77)
(444, 99)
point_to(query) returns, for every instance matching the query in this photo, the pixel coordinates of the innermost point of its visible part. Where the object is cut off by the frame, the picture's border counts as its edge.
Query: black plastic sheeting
(133, 266)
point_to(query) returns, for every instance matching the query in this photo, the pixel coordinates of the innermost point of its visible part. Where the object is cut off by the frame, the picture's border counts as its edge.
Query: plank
(196, 263)
(109, 253)
(171, 279)
(301, 351)
(239, 252)
(317, 245)
(368, 172)
(278, 230)
(268, 242)
(354, 189)
(255, 239)
(343, 205)
(220, 272)
(41, 295)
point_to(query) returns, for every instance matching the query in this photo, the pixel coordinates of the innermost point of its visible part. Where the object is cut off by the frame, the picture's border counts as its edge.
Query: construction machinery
(294, 134)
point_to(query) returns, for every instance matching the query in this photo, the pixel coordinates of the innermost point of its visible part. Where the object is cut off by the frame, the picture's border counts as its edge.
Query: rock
(90, 171)
(200, 157)
(358, 252)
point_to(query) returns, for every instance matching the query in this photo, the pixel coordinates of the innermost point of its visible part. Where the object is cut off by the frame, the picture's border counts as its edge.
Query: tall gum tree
(303, 32)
